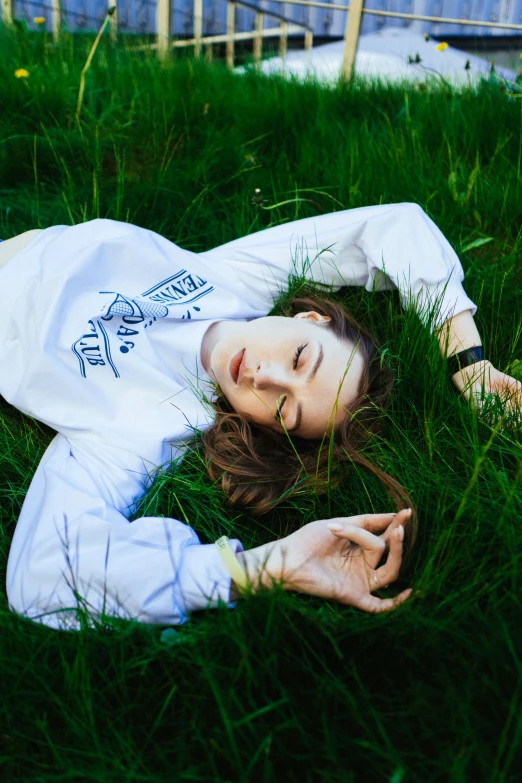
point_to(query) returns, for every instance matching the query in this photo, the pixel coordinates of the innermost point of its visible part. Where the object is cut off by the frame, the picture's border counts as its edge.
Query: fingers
(363, 538)
(375, 546)
(372, 522)
(373, 558)
(389, 572)
(370, 603)
(400, 519)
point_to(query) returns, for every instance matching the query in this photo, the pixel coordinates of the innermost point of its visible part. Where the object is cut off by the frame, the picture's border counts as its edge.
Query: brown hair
(259, 467)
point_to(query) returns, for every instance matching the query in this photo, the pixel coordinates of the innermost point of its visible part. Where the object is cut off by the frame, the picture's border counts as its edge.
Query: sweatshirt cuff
(445, 300)
(203, 579)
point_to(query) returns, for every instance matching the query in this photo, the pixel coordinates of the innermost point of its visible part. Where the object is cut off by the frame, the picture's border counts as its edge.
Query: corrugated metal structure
(139, 16)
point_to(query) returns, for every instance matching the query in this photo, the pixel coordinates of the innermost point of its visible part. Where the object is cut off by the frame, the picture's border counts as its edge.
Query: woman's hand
(337, 559)
(481, 379)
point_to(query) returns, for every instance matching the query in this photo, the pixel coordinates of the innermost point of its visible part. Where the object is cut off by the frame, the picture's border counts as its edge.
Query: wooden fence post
(198, 26)
(308, 40)
(283, 41)
(163, 23)
(7, 12)
(351, 37)
(231, 27)
(55, 19)
(114, 20)
(258, 40)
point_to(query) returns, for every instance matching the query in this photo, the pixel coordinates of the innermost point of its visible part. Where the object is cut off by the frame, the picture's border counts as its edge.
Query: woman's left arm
(372, 247)
(481, 378)
(383, 247)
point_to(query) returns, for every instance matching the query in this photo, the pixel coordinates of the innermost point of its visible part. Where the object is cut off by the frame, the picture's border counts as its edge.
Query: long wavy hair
(259, 467)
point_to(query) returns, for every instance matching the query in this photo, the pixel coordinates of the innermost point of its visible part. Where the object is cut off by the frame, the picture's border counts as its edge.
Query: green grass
(284, 687)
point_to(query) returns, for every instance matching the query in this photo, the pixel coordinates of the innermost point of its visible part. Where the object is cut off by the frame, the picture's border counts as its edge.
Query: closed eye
(298, 354)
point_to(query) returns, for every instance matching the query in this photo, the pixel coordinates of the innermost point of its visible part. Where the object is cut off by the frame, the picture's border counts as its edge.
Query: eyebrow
(310, 378)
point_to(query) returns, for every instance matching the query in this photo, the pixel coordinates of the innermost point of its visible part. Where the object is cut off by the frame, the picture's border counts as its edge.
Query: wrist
(262, 566)
(458, 334)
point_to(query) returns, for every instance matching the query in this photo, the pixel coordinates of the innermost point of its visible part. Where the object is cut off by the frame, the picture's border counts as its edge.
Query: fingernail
(335, 526)
(400, 534)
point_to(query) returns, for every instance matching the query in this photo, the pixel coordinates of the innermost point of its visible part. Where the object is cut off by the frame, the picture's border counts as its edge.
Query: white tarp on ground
(386, 55)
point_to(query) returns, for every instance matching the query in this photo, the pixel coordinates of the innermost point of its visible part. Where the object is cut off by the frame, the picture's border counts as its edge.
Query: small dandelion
(440, 47)
(39, 19)
(205, 109)
(258, 200)
(21, 73)
(250, 159)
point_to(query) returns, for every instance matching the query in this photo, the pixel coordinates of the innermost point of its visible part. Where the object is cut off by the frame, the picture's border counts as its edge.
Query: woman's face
(285, 371)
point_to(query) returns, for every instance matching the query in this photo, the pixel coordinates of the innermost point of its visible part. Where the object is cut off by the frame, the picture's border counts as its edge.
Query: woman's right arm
(74, 547)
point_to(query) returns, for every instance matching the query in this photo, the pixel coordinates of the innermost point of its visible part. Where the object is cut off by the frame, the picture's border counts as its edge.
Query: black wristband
(465, 358)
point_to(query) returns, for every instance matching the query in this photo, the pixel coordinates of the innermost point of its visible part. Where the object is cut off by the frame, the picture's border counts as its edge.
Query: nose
(269, 375)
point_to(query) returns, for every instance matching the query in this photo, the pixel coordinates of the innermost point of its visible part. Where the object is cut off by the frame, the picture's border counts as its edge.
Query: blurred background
(328, 24)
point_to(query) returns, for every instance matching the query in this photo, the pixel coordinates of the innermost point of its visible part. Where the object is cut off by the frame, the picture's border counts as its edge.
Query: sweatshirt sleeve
(74, 546)
(385, 247)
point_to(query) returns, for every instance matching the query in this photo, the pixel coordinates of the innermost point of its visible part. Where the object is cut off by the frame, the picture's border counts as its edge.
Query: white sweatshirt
(101, 326)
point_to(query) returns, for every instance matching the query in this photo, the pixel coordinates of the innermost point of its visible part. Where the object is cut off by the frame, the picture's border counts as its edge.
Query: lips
(236, 365)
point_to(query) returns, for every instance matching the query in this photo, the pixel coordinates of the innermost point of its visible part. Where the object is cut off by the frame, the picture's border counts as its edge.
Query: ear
(311, 315)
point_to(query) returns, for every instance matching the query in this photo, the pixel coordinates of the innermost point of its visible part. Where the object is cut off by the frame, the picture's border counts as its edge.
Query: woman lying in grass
(112, 335)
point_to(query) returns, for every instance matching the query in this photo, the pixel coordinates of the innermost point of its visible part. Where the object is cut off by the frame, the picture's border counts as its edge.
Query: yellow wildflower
(440, 47)
(21, 73)
(39, 19)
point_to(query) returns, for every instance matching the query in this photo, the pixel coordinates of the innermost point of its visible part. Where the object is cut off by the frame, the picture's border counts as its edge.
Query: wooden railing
(164, 42)
(287, 27)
